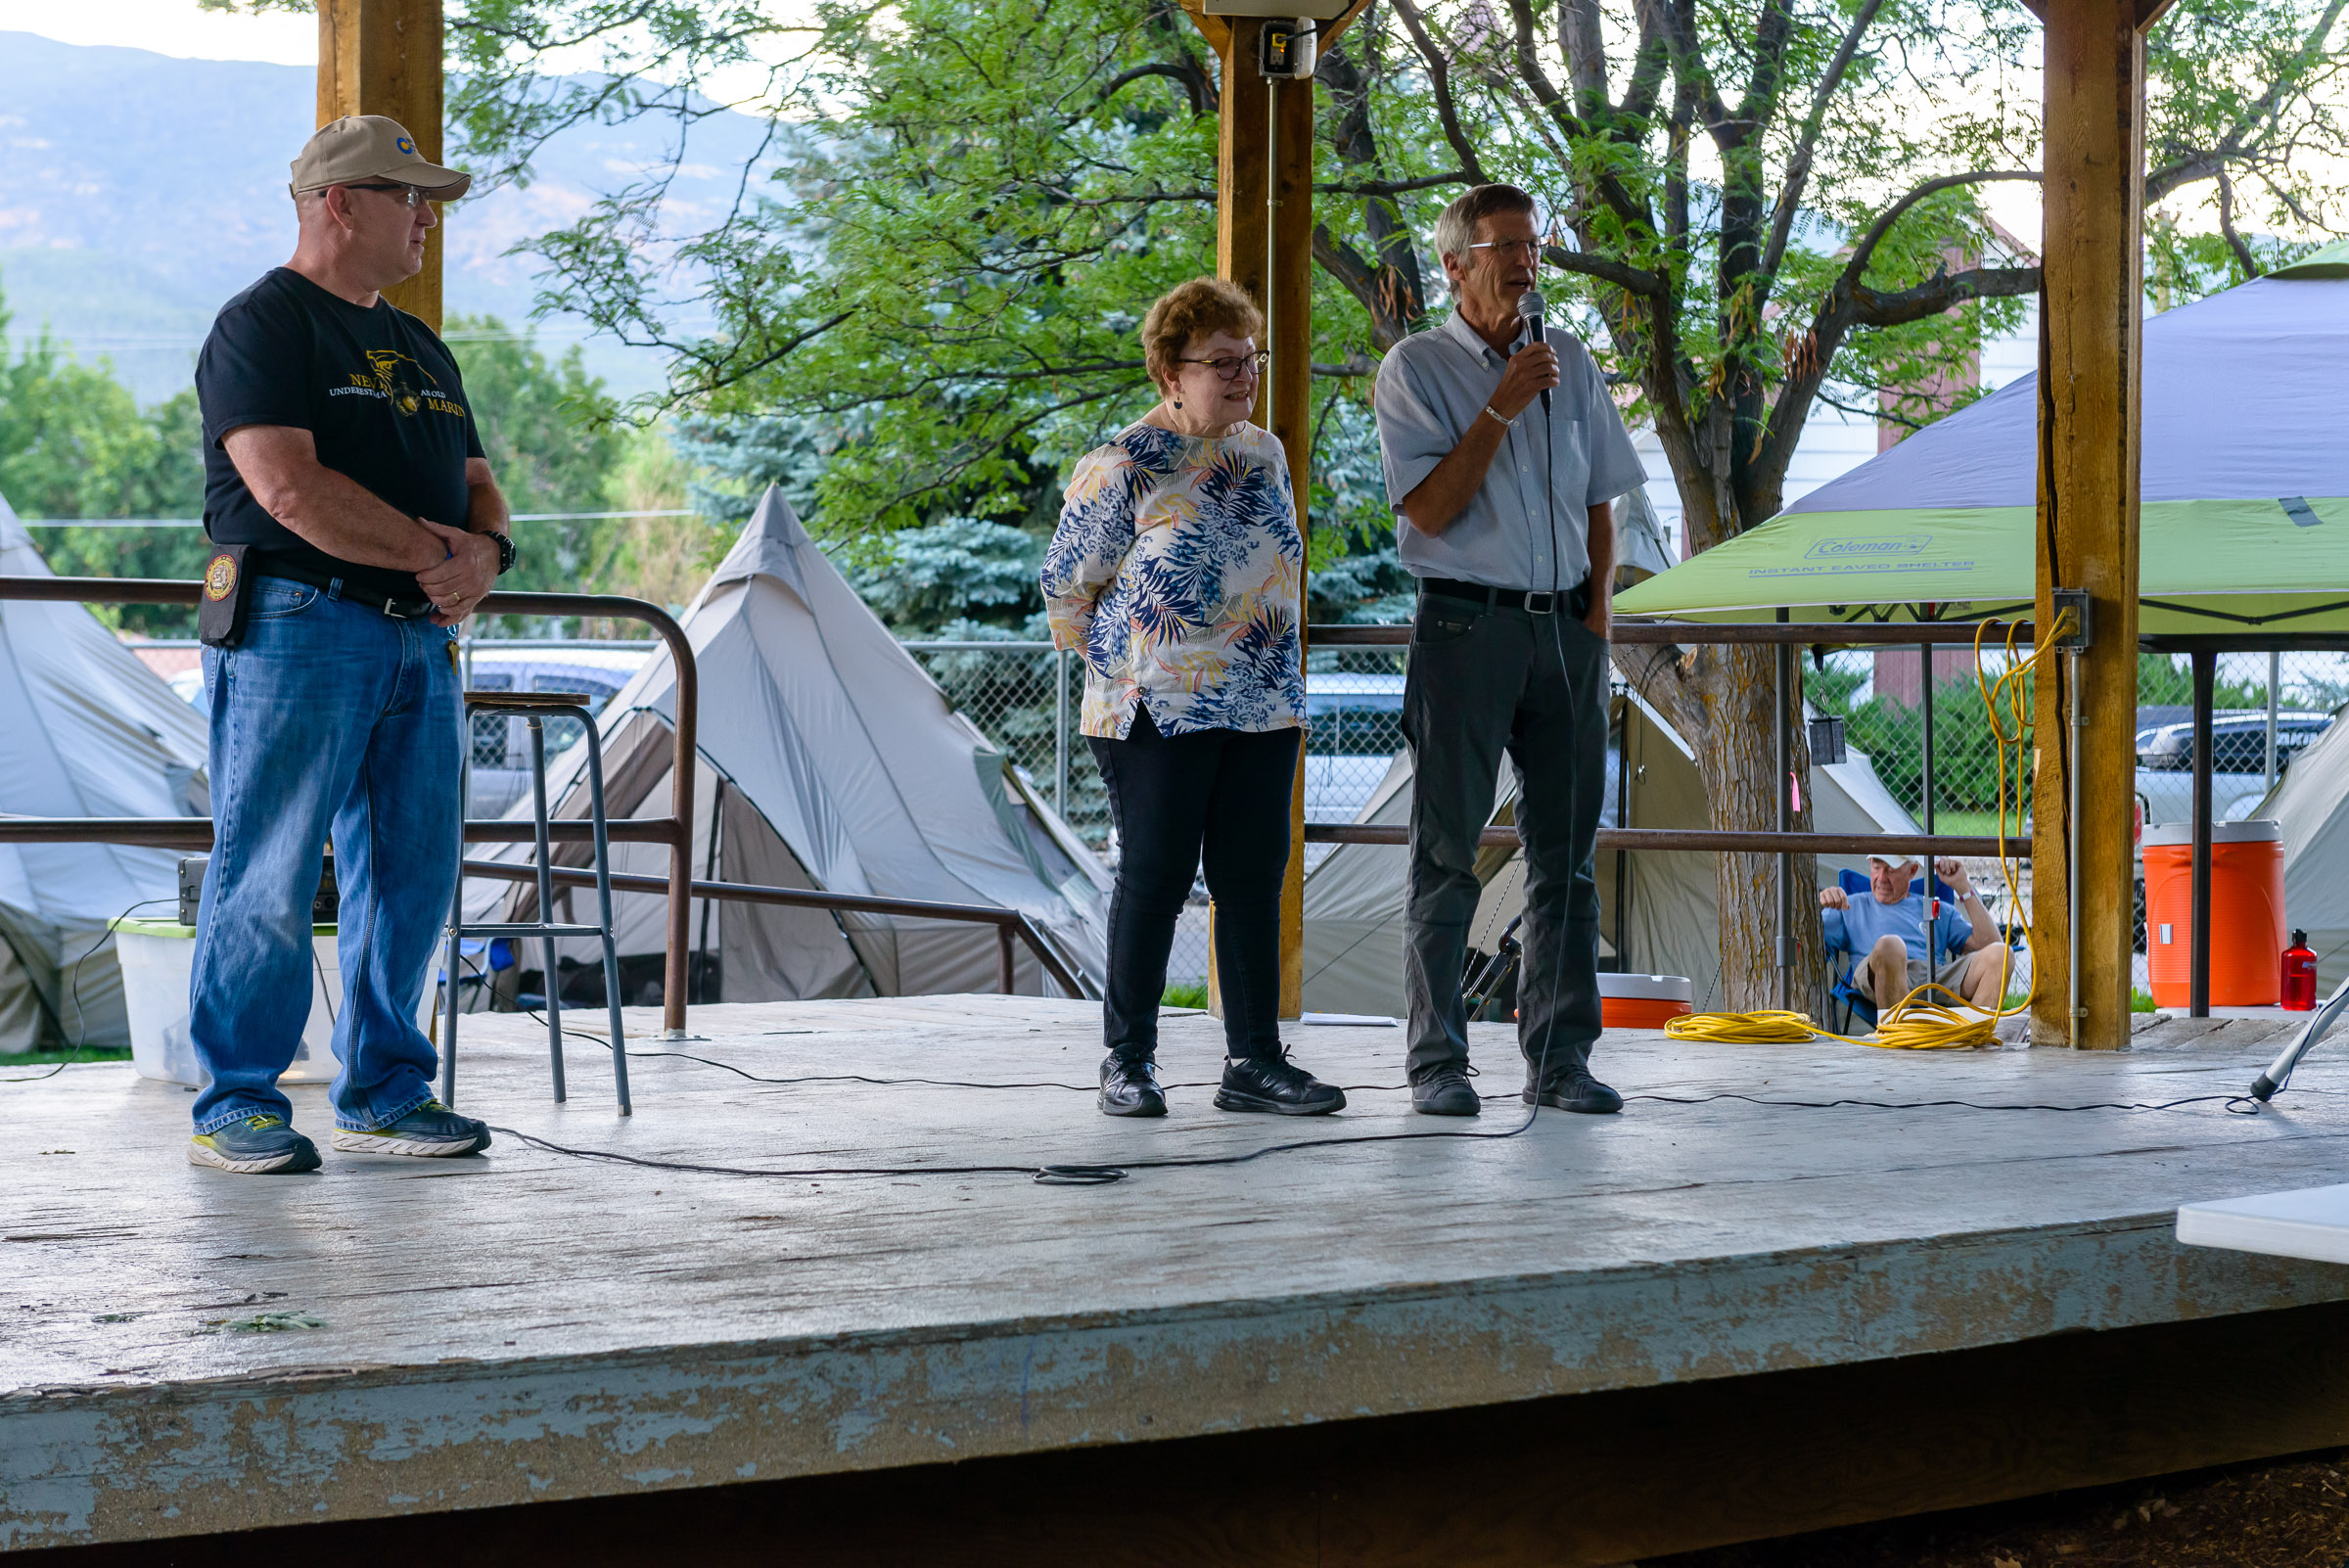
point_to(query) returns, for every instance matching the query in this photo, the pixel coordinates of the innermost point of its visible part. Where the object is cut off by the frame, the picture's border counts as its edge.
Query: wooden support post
(2089, 331)
(1290, 337)
(383, 57)
(1265, 244)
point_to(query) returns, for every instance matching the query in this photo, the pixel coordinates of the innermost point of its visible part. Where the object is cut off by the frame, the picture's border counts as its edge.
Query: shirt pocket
(1570, 460)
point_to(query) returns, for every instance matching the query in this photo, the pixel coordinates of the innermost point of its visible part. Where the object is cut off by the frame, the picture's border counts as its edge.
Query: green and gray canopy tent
(2244, 489)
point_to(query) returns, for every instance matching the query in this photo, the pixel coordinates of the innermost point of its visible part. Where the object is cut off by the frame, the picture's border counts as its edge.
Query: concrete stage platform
(1600, 1338)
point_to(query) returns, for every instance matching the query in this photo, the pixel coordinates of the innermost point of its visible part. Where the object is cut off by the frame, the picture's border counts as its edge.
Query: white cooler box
(158, 959)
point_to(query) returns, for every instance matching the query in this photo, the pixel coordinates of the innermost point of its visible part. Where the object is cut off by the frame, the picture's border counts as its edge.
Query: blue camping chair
(1846, 989)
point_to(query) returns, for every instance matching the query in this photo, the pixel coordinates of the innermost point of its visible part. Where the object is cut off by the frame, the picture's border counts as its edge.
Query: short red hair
(1188, 311)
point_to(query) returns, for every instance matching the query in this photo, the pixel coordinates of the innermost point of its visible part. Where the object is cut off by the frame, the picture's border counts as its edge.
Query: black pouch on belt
(220, 613)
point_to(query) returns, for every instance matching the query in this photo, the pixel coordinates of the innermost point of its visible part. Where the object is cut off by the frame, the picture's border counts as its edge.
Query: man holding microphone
(1504, 455)
(353, 521)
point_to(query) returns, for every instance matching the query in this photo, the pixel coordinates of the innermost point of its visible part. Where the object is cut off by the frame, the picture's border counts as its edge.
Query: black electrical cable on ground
(74, 990)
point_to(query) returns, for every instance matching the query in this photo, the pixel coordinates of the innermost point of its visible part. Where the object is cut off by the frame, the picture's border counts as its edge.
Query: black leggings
(1223, 790)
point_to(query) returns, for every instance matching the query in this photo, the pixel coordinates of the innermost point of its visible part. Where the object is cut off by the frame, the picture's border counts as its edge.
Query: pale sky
(168, 27)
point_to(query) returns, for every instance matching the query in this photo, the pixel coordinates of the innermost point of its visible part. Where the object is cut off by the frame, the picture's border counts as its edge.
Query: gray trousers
(1481, 680)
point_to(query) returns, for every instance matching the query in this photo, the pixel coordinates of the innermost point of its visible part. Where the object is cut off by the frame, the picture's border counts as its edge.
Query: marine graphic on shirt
(400, 381)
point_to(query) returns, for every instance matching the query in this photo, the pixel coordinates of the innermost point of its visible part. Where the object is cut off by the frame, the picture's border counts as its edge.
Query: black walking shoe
(1576, 1091)
(1274, 1083)
(1448, 1092)
(1130, 1087)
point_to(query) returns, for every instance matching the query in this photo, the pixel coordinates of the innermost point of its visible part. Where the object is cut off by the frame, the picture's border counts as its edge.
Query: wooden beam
(1290, 337)
(1244, 255)
(2090, 320)
(383, 57)
(1265, 244)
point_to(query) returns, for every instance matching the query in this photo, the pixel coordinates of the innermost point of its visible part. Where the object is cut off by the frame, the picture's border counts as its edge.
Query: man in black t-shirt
(340, 451)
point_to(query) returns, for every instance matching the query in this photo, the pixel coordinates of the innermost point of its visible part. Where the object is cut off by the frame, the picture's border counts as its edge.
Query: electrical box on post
(1284, 50)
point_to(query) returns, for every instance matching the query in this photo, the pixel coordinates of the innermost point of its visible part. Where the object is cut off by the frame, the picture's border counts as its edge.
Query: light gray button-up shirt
(1434, 386)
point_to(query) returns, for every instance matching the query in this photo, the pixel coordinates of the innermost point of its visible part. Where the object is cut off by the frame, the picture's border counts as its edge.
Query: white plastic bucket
(159, 959)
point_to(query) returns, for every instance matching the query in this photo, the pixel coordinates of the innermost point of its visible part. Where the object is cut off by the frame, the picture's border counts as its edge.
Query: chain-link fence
(2268, 708)
(1027, 699)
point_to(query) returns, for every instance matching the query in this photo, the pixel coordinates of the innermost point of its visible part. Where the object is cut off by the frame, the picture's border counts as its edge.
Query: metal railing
(1672, 633)
(674, 830)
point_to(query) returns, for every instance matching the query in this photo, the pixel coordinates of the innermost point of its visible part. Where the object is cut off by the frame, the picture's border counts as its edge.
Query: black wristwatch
(505, 553)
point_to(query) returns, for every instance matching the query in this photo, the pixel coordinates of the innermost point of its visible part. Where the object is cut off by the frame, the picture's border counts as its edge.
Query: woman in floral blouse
(1177, 571)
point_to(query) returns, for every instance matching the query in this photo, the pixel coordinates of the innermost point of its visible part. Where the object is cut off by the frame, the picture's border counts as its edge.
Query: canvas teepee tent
(85, 730)
(828, 759)
(2310, 804)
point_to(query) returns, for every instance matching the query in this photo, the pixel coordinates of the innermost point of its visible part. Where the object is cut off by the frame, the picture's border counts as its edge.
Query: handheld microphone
(1530, 309)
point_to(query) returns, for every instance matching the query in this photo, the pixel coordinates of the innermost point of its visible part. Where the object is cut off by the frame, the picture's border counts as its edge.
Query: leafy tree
(549, 431)
(1754, 206)
(73, 442)
(954, 578)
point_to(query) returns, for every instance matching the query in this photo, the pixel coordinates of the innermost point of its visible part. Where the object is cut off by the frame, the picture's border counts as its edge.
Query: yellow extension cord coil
(1917, 1022)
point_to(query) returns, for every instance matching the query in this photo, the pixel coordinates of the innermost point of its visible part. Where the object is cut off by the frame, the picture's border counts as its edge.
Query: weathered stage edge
(1598, 1339)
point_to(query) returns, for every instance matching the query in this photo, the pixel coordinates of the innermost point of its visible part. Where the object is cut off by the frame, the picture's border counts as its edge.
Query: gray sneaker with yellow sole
(429, 1131)
(261, 1144)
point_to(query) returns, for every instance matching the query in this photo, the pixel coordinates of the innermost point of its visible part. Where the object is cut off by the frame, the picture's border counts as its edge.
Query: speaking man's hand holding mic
(1533, 371)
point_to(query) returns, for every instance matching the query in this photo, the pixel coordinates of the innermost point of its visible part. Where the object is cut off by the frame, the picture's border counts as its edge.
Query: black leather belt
(1575, 601)
(399, 609)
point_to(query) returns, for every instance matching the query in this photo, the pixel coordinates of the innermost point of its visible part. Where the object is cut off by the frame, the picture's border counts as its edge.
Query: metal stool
(533, 708)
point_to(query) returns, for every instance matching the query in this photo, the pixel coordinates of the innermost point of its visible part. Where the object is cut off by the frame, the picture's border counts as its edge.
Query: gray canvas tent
(1670, 922)
(828, 759)
(2310, 804)
(85, 730)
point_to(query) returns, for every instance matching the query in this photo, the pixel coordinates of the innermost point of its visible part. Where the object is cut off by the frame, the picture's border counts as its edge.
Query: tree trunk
(1718, 697)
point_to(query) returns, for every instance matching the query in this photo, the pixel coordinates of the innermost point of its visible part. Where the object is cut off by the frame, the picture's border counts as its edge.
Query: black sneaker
(1578, 1091)
(1274, 1083)
(1130, 1087)
(1447, 1092)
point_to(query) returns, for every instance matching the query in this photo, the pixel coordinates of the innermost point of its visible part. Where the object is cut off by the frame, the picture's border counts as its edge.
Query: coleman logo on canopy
(1847, 548)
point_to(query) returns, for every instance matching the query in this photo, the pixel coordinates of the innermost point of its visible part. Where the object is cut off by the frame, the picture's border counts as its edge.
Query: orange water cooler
(1642, 1001)
(2247, 913)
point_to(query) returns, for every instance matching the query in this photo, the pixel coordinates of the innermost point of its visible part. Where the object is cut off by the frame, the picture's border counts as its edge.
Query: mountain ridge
(142, 191)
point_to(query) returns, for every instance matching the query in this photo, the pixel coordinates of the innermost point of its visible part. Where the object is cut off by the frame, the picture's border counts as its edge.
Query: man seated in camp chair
(1885, 933)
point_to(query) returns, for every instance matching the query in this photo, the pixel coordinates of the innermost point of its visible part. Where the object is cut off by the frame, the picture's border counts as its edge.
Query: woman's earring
(1178, 403)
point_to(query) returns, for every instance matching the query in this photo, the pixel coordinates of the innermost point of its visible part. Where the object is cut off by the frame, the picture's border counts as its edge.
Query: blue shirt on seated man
(1886, 932)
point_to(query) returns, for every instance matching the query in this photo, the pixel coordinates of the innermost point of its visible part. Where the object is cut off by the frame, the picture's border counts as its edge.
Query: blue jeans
(328, 717)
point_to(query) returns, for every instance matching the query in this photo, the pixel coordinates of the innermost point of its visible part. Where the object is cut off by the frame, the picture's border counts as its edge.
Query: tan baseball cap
(371, 147)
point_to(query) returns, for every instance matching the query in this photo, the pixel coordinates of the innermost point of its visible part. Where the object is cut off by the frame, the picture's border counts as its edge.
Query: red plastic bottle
(2299, 976)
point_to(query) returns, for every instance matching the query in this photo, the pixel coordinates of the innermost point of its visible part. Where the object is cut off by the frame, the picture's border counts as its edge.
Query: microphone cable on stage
(1075, 1173)
(1056, 1174)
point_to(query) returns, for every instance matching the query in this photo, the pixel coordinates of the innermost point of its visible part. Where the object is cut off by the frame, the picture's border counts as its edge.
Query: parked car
(2238, 752)
(502, 746)
(1353, 727)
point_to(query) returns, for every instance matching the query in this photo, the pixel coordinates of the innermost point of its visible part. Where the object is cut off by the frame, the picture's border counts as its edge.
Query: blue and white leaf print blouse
(1176, 571)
